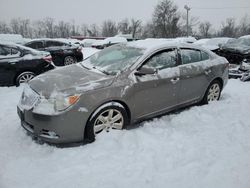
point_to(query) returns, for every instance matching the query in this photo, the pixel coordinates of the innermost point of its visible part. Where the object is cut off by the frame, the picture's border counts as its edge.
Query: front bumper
(64, 128)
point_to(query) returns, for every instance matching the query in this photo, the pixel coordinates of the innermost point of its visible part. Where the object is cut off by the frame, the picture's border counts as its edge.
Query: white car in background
(100, 44)
(213, 44)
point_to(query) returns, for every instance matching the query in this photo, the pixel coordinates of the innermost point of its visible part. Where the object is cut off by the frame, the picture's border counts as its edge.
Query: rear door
(157, 92)
(194, 74)
(58, 50)
(38, 45)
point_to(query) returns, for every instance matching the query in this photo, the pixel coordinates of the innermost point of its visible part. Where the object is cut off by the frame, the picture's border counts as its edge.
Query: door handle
(207, 72)
(175, 80)
(13, 62)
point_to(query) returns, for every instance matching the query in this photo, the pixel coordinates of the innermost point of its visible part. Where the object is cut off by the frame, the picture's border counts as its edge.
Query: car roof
(47, 39)
(14, 45)
(151, 45)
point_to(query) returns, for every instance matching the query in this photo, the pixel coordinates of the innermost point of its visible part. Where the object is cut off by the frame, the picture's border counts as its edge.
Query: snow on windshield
(113, 59)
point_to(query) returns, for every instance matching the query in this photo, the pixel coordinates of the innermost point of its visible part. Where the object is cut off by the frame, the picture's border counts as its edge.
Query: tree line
(167, 21)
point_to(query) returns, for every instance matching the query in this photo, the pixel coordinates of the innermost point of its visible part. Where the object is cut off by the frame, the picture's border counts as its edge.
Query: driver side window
(162, 60)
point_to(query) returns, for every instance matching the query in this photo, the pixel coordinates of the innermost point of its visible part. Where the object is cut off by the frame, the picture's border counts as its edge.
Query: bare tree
(165, 19)
(84, 30)
(136, 27)
(124, 26)
(204, 29)
(109, 28)
(21, 26)
(244, 27)
(148, 30)
(62, 30)
(49, 27)
(229, 28)
(4, 28)
(93, 30)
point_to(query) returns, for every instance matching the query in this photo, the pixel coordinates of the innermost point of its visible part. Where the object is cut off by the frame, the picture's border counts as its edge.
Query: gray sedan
(119, 86)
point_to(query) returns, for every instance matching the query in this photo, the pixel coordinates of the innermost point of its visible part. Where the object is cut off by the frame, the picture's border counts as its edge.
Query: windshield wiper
(85, 66)
(102, 71)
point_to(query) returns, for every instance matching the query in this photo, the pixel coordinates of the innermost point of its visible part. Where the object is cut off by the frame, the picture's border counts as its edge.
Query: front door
(157, 92)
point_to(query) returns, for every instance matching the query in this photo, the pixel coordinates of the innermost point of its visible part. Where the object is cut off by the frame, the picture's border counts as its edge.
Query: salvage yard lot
(201, 146)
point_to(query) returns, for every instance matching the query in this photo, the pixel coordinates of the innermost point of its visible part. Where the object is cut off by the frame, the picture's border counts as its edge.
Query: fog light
(49, 134)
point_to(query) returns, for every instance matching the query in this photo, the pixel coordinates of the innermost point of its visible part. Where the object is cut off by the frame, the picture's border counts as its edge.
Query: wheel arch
(105, 104)
(218, 79)
(100, 107)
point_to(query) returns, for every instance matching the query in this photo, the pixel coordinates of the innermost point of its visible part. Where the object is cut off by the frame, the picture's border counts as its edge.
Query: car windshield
(113, 59)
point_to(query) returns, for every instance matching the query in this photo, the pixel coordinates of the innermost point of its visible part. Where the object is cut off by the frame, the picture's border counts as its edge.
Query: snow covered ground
(200, 147)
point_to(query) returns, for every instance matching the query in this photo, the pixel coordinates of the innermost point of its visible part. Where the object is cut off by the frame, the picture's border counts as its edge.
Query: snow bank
(202, 146)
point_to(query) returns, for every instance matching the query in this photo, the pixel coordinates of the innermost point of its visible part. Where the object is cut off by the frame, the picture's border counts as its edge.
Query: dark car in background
(20, 64)
(237, 50)
(62, 53)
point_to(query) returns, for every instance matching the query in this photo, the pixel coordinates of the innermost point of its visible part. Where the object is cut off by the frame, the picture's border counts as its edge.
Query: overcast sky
(95, 11)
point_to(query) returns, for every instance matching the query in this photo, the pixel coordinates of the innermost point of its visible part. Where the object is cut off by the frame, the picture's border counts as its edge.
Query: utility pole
(188, 9)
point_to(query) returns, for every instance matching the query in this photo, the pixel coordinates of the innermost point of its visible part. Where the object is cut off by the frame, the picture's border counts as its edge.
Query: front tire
(213, 92)
(106, 119)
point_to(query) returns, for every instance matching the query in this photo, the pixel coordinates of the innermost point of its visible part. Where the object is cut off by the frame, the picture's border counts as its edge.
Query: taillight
(47, 58)
(79, 49)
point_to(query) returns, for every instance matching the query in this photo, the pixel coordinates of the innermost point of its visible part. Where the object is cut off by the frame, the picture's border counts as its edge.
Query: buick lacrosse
(119, 86)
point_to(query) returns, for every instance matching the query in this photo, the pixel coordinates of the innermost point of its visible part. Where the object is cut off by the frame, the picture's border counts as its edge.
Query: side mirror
(144, 71)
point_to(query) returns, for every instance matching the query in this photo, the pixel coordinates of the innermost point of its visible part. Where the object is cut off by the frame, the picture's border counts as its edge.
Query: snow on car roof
(110, 40)
(213, 43)
(153, 44)
(14, 45)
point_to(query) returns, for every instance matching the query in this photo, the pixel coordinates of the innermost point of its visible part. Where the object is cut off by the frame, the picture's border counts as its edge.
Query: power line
(219, 8)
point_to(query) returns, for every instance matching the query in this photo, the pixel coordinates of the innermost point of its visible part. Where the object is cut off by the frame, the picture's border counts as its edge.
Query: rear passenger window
(190, 56)
(35, 45)
(204, 56)
(54, 43)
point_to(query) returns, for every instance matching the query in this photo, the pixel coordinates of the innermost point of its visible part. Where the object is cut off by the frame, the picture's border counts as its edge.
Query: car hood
(243, 49)
(73, 79)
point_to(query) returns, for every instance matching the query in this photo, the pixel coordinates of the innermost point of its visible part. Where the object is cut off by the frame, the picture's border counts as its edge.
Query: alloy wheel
(25, 77)
(69, 60)
(109, 119)
(213, 92)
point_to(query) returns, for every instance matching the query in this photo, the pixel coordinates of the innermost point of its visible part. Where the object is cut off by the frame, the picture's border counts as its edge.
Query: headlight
(55, 104)
(61, 102)
(29, 98)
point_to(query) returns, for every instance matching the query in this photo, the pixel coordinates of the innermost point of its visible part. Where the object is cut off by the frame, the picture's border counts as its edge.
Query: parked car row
(20, 63)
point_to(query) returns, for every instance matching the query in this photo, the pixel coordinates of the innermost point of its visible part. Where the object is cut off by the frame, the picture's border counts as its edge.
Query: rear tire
(24, 77)
(106, 119)
(213, 92)
(69, 60)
